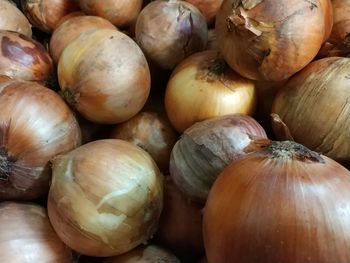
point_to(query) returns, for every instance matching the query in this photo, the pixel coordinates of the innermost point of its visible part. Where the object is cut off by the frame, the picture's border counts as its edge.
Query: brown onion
(35, 125)
(169, 31)
(209, 8)
(46, 14)
(284, 203)
(203, 86)
(105, 197)
(104, 75)
(268, 39)
(327, 8)
(24, 58)
(207, 147)
(26, 236)
(314, 106)
(12, 19)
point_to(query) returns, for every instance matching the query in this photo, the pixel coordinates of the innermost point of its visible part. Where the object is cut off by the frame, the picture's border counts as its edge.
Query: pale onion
(12, 19)
(104, 75)
(207, 147)
(24, 58)
(145, 254)
(180, 225)
(283, 203)
(203, 86)
(35, 125)
(121, 13)
(45, 14)
(26, 236)
(105, 197)
(268, 39)
(72, 28)
(209, 8)
(169, 31)
(314, 106)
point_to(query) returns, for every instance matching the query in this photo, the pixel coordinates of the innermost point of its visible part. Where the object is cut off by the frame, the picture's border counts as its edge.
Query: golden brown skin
(209, 8)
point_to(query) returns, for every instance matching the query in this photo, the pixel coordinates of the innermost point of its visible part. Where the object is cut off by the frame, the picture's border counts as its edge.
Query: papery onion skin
(314, 106)
(105, 76)
(24, 58)
(169, 31)
(209, 8)
(105, 198)
(284, 203)
(327, 8)
(35, 125)
(202, 87)
(69, 30)
(267, 39)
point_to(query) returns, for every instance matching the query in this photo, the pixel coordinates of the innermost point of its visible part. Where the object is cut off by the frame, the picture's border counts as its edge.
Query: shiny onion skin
(12, 19)
(105, 197)
(23, 58)
(35, 126)
(209, 8)
(284, 203)
(26, 236)
(207, 147)
(314, 107)
(268, 39)
(71, 29)
(169, 31)
(105, 76)
(203, 86)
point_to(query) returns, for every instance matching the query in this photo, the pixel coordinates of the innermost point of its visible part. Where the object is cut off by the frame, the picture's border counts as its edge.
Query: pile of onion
(12, 19)
(208, 8)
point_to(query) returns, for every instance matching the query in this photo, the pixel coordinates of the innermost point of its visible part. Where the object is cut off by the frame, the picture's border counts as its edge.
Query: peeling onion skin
(105, 198)
(267, 39)
(209, 8)
(314, 106)
(27, 236)
(169, 31)
(284, 203)
(35, 126)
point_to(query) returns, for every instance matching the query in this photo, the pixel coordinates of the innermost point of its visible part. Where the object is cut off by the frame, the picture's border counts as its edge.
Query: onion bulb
(104, 75)
(209, 8)
(12, 19)
(203, 86)
(327, 8)
(314, 107)
(26, 236)
(35, 125)
(269, 40)
(284, 203)
(169, 31)
(105, 197)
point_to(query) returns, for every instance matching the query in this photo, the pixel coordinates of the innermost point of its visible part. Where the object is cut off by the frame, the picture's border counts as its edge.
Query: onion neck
(5, 165)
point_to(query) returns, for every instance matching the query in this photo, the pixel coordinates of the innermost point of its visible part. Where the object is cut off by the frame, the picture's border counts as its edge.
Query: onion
(207, 147)
(209, 8)
(35, 125)
(105, 198)
(269, 40)
(212, 41)
(145, 254)
(26, 236)
(71, 29)
(327, 8)
(151, 132)
(203, 86)
(45, 14)
(105, 76)
(169, 31)
(22, 57)
(314, 107)
(284, 203)
(12, 19)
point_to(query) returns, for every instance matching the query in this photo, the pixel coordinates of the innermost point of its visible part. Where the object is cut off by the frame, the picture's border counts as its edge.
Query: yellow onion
(24, 58)
(314, 108)
(269, 40)
(71, 29)
(45, 14)
(26, 236)
(207, 147)
(105, 197)
(284, 203)
(145, 254)
(12, 19)
(209, 8)
(327, 8)
(104, 75)
(169, 31)
(35, 125)
(203, 86)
